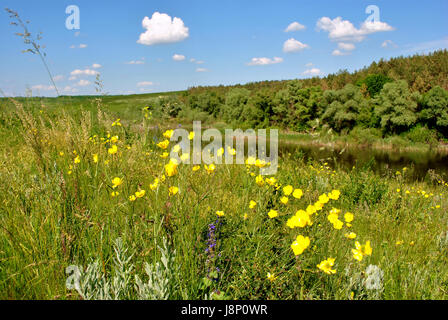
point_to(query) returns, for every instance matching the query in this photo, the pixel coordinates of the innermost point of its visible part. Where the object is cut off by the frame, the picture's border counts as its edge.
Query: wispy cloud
(136, 61)
(81, 46)
(426, 47)
(145, 84)
(83, 83)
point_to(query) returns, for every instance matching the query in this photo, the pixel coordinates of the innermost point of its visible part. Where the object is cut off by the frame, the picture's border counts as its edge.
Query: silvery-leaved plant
(94, 284)
(374, 278)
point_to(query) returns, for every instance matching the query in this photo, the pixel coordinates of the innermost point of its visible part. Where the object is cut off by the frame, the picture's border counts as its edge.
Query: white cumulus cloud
(96, 66)
(295, 26)
(338, 52)
(161, 28)
(343, 30)
(201, 70)
(178, 57)
(311, 72)
(264, 61)
(293, 45)
(86, 72)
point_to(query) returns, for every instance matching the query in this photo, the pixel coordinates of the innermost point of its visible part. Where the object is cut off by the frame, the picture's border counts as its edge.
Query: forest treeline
(391, 97)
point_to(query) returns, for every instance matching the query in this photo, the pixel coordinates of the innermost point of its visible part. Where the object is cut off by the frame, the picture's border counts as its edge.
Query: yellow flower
(168, 134)
(196, 168)
(116, 182)
(399, 242)
(271, 181)
(220, 213)
(324, 198)
(114, 194)
(191, 135)
(272, 213)
(260, 163)
(252, 204)
(350, 235)
(287, 190)
(250, 161)
(259, 180)
(326, 265)
(114, 139)
(95, 157)
(361, 250)
(334, 195)
(61, 153)
(300, 219)
(210, 169)
(310, 209)
(171, 168)
(153, 186)
(164, 155)
(163, 144)
(113, 149)
(318, 205)
(284, 200)
(298, 193)
(231, 151)
(348, 217)
(300, 244)
(132, 198)
(77, 159)
(173, 190)
(140, 194)
(116, 123)
(220, 152)
(245, 216)
(271, 277)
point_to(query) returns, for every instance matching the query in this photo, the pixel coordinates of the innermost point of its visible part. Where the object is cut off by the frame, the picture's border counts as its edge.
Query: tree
(346, 108)
(435, 108)
(396, 106)
(374, 83)
(236, 100)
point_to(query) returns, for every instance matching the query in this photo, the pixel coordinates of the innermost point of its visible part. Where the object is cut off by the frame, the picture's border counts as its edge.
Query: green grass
(55, 213)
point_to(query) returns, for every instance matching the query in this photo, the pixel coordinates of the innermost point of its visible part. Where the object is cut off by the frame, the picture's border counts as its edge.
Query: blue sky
(230, 41)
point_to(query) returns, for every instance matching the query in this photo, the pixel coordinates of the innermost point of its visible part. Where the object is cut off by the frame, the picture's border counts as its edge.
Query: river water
(378, 160)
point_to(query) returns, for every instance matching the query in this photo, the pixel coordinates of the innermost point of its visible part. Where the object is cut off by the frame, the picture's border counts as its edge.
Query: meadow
(88, 185)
